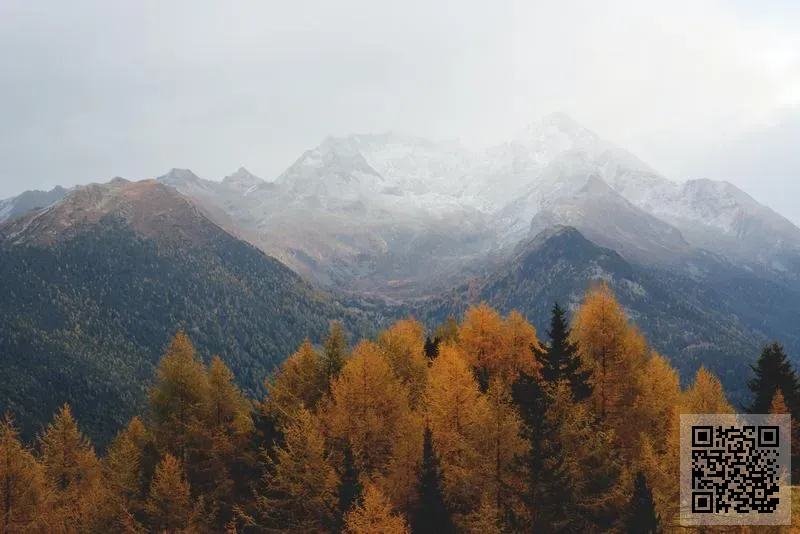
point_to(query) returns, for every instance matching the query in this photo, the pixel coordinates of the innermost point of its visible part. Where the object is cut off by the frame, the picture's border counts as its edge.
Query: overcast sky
(90, 90)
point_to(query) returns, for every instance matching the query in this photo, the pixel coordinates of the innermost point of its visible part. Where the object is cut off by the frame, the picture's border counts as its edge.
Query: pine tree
(643, 518)
(560, 359)
(532, 401)
(374, 515)
(432, 515)
(448, 331)
(773, 371)
(350, 490)
(580, 486)
(22, 485)
(335, 352)
(169, 504)
(431, 347)
(485, 519)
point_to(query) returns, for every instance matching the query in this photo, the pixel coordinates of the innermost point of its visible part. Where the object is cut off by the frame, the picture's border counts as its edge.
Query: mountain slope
(14, 207)
(362, 212)
(95, 286)
(691, 320)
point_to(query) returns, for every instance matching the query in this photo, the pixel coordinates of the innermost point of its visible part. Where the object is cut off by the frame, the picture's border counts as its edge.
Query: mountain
(14, 207)
(702, 320)
(95, 285)
(722, 218)
(332, 217)
(706, 270)
(401, 216)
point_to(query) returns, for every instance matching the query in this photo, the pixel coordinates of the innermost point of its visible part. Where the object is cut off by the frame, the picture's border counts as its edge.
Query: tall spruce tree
(431, 347)
(335, 350)
(432, 515)
(773, 372)
(559, 358)
(643, 518)
(350, 491)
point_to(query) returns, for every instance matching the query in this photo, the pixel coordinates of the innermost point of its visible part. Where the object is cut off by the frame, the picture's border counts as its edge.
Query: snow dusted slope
(722, 218)
(362, 211)
(14, 207)
(243, 181)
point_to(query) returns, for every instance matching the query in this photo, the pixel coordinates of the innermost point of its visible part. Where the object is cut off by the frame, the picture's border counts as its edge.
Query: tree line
(478, 427)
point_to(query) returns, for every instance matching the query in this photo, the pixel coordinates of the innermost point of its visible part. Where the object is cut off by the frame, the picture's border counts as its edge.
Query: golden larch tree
(705, 395)
(178, 401)
(302, 487)
(226, 433)
(614, 351)
(23, 493)
(400, 483)
(778, 406)
(374, 515)
(404, 346)
(658, 396)
(123, 469)
(74, 474)
(483, 337)
(486, 519)
(456, 413)
(502, 448)
(300, 382)
(169, 503)
(369, 407)
(521, 342)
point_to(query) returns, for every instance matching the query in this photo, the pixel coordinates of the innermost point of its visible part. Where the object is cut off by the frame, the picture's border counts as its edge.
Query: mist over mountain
(393, 222)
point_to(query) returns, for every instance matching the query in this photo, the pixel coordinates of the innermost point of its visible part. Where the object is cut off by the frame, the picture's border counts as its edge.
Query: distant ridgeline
(479, 427)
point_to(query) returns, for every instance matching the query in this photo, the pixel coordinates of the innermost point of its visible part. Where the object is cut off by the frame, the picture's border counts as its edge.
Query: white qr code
(735, 469)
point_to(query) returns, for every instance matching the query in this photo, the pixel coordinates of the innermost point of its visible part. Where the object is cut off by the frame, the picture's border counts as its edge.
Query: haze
(90, 90)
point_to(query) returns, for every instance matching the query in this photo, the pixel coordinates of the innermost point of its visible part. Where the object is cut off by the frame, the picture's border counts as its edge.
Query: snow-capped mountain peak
(243, 181)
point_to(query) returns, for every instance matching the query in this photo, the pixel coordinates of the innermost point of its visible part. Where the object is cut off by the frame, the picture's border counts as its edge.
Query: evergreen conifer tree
(432, 516)
(335, 350)
(643, 518)
(350, 490)
(431, 347)
(773, 371)
(559, 358)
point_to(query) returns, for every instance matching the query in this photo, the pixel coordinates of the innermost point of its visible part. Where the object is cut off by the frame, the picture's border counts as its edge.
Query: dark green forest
(86, 319)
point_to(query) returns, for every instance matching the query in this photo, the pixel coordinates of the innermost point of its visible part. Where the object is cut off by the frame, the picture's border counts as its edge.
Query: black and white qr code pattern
(736, 469)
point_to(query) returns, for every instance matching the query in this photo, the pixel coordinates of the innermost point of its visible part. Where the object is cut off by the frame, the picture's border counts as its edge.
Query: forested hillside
(85, 316)
(714, 321)
(484, 427)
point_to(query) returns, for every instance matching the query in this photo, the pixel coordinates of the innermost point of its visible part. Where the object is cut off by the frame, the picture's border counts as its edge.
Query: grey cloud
(93, 89)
